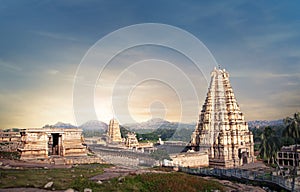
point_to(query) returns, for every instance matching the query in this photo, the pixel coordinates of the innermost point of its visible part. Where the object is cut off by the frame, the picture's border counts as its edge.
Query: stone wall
(190, 159)
(9, 141)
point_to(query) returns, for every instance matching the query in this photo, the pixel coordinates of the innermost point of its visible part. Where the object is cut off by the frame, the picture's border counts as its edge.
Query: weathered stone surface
(48, 185)
(9, 136)
(87, 190)
(131, 140)
(10, 141)
(44, 142)
(190, 159)
(70, 190)
(221, 129)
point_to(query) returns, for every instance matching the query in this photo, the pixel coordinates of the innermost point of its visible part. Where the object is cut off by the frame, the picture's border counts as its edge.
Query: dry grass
(78, 178)
(162, 182)
(62, 178)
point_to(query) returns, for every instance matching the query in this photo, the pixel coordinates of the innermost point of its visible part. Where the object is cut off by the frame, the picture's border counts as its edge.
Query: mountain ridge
(156, 123)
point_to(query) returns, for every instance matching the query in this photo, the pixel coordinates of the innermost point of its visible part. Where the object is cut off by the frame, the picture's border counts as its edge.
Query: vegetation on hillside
(271, 138)
(182, 134)
(292, 130)
(163, 133)
(92, 133)
(270, 144)
(123, 131)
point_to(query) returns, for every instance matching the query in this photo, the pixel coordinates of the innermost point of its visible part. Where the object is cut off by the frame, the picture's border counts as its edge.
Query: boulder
(48, 185)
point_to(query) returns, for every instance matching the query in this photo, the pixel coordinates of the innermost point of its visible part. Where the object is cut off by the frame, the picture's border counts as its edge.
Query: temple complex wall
(190, 159)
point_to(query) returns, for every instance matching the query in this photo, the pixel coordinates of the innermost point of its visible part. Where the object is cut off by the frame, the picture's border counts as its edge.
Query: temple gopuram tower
(113, 132)
(221, 129)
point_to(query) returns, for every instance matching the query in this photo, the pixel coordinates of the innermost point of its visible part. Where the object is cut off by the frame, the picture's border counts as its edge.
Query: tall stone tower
(221, 129)
(113, 132)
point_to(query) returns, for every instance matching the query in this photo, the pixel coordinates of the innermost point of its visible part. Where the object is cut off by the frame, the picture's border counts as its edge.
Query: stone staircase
(57, 160)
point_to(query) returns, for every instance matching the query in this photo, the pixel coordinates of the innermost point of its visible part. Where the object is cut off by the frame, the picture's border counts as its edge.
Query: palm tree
(292, 130)
(270, 144)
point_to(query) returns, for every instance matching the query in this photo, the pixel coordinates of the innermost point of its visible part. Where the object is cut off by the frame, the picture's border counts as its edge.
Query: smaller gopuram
(113, 131)
(42, 143)
(131, 140)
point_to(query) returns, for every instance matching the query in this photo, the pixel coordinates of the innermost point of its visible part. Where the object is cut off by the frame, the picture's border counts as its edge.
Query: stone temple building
(113, 131)
(221, 130)
(41, 143)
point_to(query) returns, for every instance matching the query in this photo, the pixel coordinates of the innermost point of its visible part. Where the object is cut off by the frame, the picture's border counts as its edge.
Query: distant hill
(156, 128)
(63, 125)
(94, 125)
(264, 123)
(157, 123)
(151, 124)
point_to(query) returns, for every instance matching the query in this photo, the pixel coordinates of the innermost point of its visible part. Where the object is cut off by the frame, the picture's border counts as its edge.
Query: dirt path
(25, 190)
(8, 163)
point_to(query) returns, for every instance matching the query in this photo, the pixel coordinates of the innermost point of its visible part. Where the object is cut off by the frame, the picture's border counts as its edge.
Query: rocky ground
(119, 172)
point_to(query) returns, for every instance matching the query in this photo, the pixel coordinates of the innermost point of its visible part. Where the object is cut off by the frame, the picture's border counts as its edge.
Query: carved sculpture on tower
(113, 132)
(221, 129)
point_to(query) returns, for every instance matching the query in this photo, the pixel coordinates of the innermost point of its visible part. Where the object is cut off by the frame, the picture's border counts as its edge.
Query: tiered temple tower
(113, 132)
(221, 129)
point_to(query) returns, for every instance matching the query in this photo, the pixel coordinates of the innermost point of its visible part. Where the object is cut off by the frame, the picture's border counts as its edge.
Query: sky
(45, 45)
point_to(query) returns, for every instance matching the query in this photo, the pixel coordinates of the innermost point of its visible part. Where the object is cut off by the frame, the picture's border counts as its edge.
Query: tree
(292, 130)
(270, 144)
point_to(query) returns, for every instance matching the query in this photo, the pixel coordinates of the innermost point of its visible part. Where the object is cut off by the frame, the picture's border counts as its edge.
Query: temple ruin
(42, 143)
(221, 129)
(113, 132)
(9, 140)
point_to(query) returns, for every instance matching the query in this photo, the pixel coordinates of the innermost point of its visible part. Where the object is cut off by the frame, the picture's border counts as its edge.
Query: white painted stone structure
(222, 130)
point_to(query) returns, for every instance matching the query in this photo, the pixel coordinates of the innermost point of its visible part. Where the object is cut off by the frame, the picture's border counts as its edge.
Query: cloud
(56, 36)
(10, 67)
(265, 41)
(42, 44)
(52, 72)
